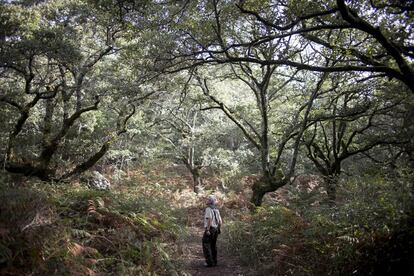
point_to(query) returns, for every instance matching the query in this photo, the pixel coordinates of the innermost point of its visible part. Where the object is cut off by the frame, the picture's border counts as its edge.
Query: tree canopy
(322, 79)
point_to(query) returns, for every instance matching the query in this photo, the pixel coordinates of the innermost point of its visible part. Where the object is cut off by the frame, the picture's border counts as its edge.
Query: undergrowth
(136, 228)
(49, 228)
(369, 232)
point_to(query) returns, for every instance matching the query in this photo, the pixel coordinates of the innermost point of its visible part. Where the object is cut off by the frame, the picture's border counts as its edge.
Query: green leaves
(16, 19)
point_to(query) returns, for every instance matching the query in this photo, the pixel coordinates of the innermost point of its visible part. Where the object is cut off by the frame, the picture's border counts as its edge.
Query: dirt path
(192, 260)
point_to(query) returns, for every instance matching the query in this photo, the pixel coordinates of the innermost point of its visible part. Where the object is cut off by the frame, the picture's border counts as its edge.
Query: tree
(352, 119)
(55, 59)
(374, 37)
(186, 132)
(262, 128)
(353, 37)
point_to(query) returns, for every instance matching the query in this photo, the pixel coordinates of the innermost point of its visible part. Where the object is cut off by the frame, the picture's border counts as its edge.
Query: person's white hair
(211, 199)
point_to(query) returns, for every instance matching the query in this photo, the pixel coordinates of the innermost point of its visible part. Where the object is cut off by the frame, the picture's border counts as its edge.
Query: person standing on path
(212, 224)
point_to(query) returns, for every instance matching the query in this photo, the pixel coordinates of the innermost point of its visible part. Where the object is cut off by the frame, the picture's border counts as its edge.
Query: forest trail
(192, 259)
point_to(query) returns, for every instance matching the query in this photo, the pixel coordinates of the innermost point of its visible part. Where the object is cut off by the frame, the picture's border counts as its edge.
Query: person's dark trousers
(210, 247)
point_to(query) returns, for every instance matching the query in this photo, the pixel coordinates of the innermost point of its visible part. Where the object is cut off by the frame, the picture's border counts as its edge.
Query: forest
(119, 118)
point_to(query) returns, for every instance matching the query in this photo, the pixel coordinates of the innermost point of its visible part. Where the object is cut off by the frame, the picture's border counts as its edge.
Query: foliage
(53, 229)
(235, 98)
(370, 232)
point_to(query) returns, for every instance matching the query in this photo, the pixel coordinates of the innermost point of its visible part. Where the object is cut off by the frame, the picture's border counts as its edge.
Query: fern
(80, 233)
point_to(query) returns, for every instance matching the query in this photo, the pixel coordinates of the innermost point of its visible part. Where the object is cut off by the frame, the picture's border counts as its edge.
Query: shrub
(49, 228)
(369, 232)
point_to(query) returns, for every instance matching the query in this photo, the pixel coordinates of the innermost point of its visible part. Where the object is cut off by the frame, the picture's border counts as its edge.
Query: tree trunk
(197, 184)
(331, 183)
(89, 162)
(24, 115)
(258, 194)
(197, 180)
(48, 120)
(265, 185)
(28, 169)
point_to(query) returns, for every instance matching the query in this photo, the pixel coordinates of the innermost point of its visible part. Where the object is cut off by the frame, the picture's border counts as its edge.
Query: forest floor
(190, 206)
(192, 260)
(189, 209)
(151, 224)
